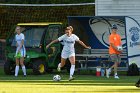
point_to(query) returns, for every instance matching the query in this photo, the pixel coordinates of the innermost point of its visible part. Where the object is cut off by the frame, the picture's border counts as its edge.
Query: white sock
(116, 74)
(59, 65)
(24, 70)
(110, 69)
(16, 70)
(72, 69)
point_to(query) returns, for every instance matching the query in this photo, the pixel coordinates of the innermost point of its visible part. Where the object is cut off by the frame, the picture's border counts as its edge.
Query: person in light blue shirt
(20, 51)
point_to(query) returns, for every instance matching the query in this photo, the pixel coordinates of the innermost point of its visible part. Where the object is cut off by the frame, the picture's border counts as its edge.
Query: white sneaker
(116, 77)
(71, 78)
(108, 72)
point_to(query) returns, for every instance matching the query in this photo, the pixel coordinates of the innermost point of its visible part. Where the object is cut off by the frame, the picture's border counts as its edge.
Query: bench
(101, 58)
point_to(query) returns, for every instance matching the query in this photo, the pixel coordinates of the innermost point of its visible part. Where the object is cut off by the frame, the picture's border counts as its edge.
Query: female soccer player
(20, 51)
(68, 49)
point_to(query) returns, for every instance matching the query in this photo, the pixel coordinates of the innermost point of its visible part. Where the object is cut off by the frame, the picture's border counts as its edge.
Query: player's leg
(115, 70)
(113, 58)
(64, 56)
(22, 62)
(118, 60)
(22, 65)
(60, 65)
(72, 69)
(17, 67)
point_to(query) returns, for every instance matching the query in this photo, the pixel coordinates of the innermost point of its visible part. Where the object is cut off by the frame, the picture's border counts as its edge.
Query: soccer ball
(119, 48)
(56, 78)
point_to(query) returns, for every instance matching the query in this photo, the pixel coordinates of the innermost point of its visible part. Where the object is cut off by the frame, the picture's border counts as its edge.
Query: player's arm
(112, 45)
(84, 45)
(16, 44)
(2, 40)
(120, 40)
(54, 41)
(22, 42)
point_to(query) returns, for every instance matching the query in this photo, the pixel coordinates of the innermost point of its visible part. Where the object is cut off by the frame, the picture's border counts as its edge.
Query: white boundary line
(79, 4)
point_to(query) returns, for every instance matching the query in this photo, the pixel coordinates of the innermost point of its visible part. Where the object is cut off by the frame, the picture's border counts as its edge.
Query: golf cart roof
(38, 24)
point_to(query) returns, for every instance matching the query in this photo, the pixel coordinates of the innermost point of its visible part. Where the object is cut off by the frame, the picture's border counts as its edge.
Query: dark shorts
(115, 58)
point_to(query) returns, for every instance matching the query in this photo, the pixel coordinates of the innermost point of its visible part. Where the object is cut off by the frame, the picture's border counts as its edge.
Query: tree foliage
(11, 15)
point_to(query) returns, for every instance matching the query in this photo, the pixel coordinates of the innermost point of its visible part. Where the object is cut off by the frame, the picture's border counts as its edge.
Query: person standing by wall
(114, 41)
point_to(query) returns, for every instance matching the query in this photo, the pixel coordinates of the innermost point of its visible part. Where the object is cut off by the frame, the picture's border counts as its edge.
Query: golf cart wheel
(9, 68)
(39, 67)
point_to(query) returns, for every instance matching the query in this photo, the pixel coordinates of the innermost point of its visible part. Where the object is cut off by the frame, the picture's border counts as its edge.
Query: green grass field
(82, 84)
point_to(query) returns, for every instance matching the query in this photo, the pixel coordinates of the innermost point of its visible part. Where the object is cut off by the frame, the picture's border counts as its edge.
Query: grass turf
(82, 84)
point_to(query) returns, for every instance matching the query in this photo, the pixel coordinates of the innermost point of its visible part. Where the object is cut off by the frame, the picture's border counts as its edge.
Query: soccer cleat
(108, 72)
(116, 77)
(137, 85)
(71, 78)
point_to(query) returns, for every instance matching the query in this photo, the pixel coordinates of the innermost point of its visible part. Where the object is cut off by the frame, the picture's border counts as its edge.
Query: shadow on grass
(87, 84)
(69, 83)
(130, 90)
(104, 91)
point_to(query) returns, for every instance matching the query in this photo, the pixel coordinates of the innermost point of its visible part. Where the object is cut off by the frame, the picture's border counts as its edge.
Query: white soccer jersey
(68, 42)
(18, 39)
